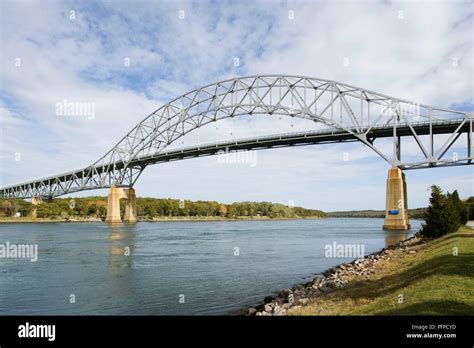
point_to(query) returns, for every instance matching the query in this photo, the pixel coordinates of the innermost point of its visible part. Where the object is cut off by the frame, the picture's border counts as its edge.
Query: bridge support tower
(396, 208)
(113, 205)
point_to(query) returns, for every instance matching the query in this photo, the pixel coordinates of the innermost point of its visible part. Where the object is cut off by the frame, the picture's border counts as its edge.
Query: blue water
(171, 261)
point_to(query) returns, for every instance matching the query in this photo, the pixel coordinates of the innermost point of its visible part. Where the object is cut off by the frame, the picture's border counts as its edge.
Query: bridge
(346, 114)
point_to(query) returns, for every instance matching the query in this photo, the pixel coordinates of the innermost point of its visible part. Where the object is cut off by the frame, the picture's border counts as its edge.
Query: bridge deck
(256, 143)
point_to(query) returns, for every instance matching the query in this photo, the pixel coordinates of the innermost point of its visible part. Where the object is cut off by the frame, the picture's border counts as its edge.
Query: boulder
(268, 299)
(327, 286)
(285, 293)
(279, 311)
(303, 301)
(280, 300)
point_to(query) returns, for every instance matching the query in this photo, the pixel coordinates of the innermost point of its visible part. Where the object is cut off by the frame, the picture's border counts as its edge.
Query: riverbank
(158, 219)
(33, 220)
(413, 277)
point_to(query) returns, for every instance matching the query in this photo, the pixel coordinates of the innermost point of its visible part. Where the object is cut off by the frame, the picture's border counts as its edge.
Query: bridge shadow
(446, 307)
(459, 235)
(446, 265)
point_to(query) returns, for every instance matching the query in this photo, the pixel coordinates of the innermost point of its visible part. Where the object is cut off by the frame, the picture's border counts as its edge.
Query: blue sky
(75, 51)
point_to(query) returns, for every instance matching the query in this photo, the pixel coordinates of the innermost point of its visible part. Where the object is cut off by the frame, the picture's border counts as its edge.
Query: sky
(125, 59)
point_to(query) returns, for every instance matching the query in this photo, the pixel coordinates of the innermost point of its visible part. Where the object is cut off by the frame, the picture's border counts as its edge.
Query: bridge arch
(348, 111)
(328, 102)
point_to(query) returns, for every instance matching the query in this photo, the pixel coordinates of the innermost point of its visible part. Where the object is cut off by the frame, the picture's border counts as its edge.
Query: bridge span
(349, 114)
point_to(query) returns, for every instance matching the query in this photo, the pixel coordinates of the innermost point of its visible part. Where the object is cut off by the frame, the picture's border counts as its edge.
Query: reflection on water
(393, 237)
(121, 247)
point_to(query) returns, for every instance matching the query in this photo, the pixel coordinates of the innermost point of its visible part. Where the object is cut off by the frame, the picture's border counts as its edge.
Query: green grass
(433, 282)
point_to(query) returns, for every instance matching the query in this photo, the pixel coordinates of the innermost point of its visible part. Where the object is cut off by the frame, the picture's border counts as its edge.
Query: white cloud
(82, 60)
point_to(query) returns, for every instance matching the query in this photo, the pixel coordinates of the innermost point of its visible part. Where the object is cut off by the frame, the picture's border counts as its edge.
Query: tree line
(96, 206)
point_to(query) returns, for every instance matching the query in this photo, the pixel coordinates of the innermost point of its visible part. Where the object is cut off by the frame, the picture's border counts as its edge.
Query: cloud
(128, 59)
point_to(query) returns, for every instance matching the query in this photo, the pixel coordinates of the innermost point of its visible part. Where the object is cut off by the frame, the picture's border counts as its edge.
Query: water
(171, 259)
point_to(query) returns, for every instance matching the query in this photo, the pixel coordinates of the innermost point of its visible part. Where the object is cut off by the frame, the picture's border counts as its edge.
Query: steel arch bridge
(348, 113)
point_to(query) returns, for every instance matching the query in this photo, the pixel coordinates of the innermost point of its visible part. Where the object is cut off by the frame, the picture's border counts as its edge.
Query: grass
(432, 282)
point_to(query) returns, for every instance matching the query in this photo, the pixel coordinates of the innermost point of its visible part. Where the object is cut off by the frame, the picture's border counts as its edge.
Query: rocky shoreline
(334, 278)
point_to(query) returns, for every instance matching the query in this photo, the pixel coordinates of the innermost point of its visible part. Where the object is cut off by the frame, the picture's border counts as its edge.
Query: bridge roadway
(263, 142)
(300, 139)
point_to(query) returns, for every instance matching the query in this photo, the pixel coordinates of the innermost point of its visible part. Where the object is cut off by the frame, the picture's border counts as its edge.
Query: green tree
(150, 210)
(92, 209)
(441, 216)
(460, 206)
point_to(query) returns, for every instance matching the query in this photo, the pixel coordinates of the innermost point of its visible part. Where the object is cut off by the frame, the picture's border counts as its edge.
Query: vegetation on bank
(436, 280)
(153, 208)
(445, 214)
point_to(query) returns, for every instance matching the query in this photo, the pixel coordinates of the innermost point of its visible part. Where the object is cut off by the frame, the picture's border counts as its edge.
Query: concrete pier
(113, 205)
(396, 209)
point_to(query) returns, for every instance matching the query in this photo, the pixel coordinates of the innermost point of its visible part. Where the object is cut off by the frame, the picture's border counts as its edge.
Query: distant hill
(412, 213)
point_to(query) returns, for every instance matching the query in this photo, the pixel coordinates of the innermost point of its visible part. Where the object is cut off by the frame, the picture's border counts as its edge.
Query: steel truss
(350, 114)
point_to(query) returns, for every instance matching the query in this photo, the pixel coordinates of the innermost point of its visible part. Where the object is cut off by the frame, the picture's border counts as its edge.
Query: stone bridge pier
(396, 208)
(113, 205)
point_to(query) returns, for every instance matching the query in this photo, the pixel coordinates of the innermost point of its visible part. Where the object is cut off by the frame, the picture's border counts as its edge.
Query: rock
(267, 308)
(252, 311)
(303, 301)
(328, 286)
(258, 314)
(329, 271)
(268, 299)
(412, 252)
(279, 311)
(280, 300)
(285, 293)
(317, 281)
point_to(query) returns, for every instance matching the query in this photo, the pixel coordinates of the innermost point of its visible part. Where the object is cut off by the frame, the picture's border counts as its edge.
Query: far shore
(30, 220)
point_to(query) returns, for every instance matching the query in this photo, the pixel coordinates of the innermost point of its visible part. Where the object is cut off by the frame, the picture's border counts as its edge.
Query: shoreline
(336, 277)
(26, 220)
